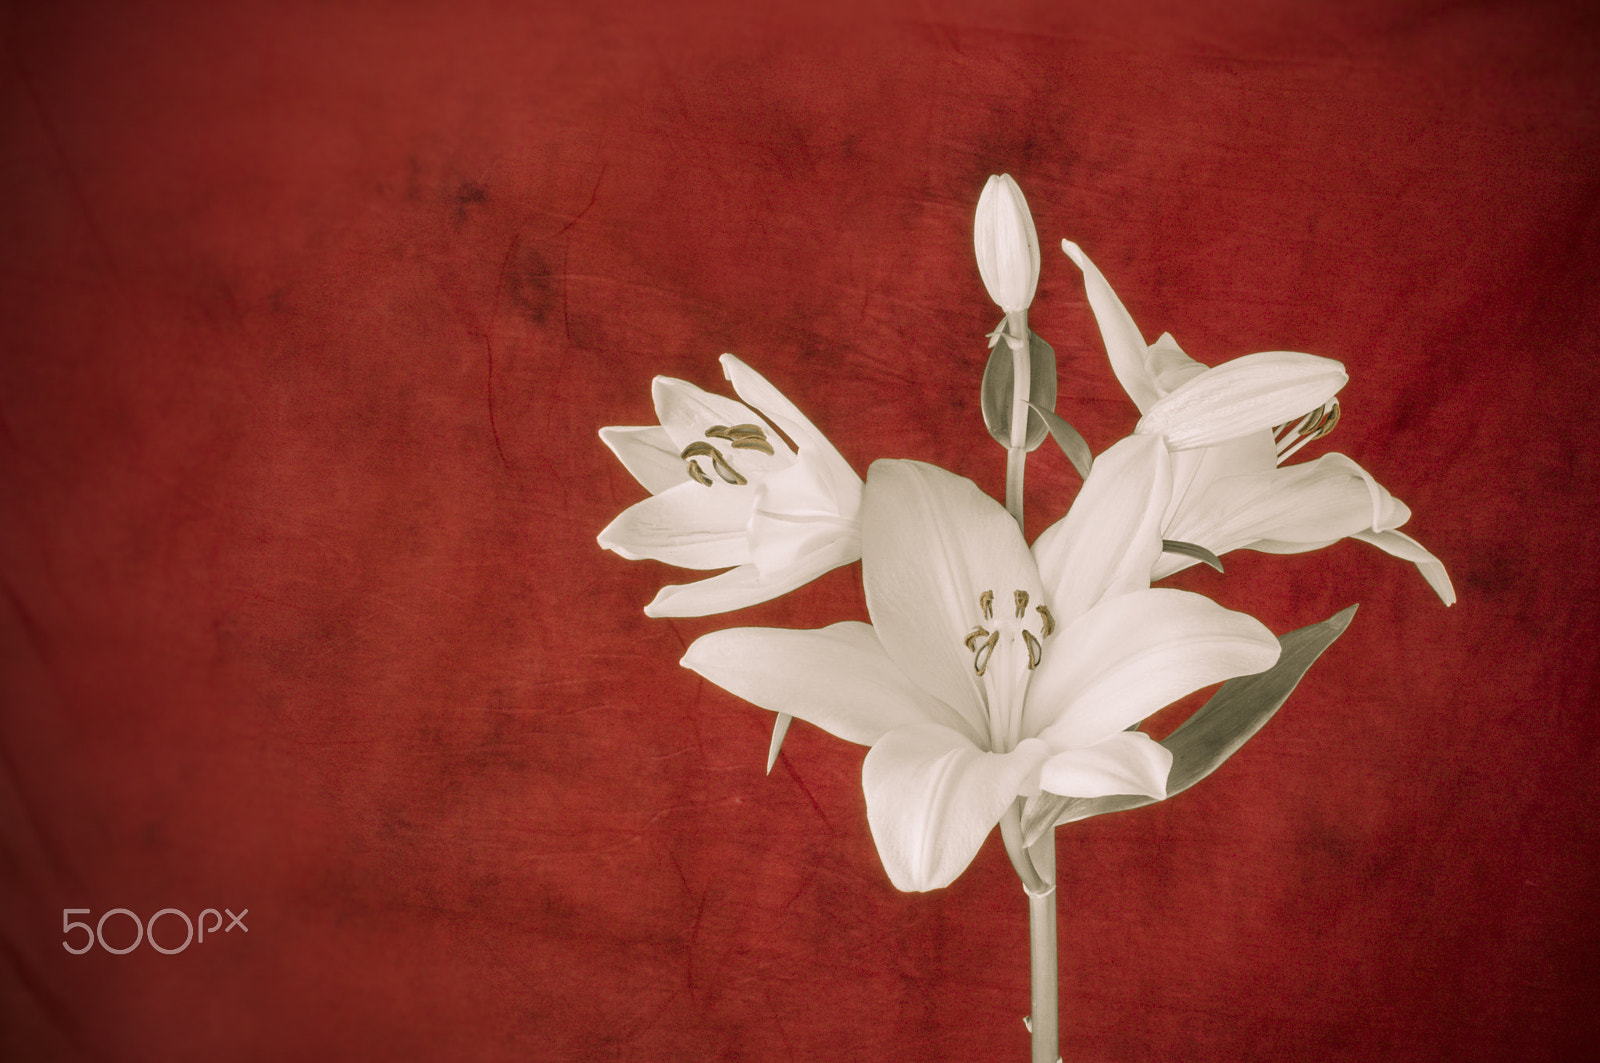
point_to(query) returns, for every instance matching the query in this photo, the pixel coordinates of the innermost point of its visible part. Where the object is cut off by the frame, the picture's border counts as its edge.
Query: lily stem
(1015, 334)
(1036, 867)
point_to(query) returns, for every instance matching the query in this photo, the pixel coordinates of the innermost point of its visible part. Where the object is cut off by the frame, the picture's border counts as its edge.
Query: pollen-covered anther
(1049, 622)
(986, 601)
(973, 636)
(742, 436)
(1022, 603)
(1035, 651)
(698, 449)
(980, 659)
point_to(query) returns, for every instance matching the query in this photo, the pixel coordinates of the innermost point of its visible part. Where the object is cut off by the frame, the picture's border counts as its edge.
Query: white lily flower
(727, 490)
(1230, 428)
(989, 671)
(1007, 244)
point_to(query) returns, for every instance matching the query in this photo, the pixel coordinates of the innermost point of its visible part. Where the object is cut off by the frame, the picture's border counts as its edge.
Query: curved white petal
(690, 525)
(932, 544)
(1170, 367)
(1193, 471)
(1406, 548)
(1317, 502)
(1111, 537)
(837, 677)
(1129, 762)
(815, 450)
(744, 586)
(1244, 395)
(1133, 655)
(1124, 346)
(647, 452)
(686, 412)
(933, 797)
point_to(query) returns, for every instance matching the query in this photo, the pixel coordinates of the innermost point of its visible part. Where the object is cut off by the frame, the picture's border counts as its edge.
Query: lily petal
(1314, 503)
(837, 677)
(1244, 395)
(1129, 762)
(648, 453)
(690, 525)
(933, 797)
(1111, 537)
(1132, 655)
(753, 388)
(740, 587)
(1406, 548)
(932, 545)
(1126, 348)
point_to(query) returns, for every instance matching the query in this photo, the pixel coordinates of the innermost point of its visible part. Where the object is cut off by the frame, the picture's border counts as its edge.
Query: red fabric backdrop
(311, 313)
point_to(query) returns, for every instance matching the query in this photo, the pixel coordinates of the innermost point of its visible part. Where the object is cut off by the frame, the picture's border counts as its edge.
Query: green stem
(1045, 1018)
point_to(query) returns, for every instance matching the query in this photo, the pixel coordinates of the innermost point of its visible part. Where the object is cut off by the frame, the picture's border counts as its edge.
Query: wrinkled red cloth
(311, 313)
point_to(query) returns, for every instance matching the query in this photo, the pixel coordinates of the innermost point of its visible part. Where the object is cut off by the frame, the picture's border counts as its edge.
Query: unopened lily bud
(1007, 244)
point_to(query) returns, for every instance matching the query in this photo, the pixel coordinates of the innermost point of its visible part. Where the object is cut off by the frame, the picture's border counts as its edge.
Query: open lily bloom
(989, 671)
(1230, 428)
(726, 490)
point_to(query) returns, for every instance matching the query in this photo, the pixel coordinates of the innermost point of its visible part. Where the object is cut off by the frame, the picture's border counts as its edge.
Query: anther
(1035, 651)
(1022, 603)
(986, 600)
(1049, 621)
(980, 660)
(698, 474)
(742, 436)
(973, 636)
(699, 449)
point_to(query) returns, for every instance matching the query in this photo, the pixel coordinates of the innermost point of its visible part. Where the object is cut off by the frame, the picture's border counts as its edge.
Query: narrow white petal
(1124, 346)
(1317, 502)
(933, 797)
(836, 677)
(744, 586)
(648, 453)
(1133, 655)
(1110, 539)
(1170, 367)
(690, 525)
(1406, 548)
(932, 545)
(1129, 762)
(1245, 395)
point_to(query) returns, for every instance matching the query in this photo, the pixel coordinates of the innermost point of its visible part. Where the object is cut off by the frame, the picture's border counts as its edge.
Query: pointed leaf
(1073, 445)
(1199, 553)
(1212, 735)
(996, 394)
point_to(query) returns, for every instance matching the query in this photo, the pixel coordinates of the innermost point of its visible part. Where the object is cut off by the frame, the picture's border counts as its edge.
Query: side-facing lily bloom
(726, 490)
(989, 671)
(1230, 428)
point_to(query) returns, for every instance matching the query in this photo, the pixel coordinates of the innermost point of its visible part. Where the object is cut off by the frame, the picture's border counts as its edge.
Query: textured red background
(311, 313)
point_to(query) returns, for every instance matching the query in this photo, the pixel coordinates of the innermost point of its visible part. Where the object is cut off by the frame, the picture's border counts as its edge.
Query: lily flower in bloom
(1230, 428)
(1007, 245)
(991, 672)
(727, 490)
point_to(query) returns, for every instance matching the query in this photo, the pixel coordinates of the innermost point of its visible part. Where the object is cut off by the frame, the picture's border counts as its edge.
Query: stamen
(1035, 651)
(698, 474)
(986, 600)
(1314, 425)
(1049, 621)
(1022, 603)
(699, 449)
(727, 472)
(742, 436)
(974, 635)
(980, 660)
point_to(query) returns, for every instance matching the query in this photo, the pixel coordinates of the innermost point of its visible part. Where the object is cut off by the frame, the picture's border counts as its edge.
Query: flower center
(1314, 425)
(981, 641)
(739, 436)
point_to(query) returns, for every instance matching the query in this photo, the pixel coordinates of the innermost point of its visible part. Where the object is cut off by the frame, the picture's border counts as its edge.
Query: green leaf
(1209, 737)
(1199, 553)
(996, 393)
(1067, 438)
